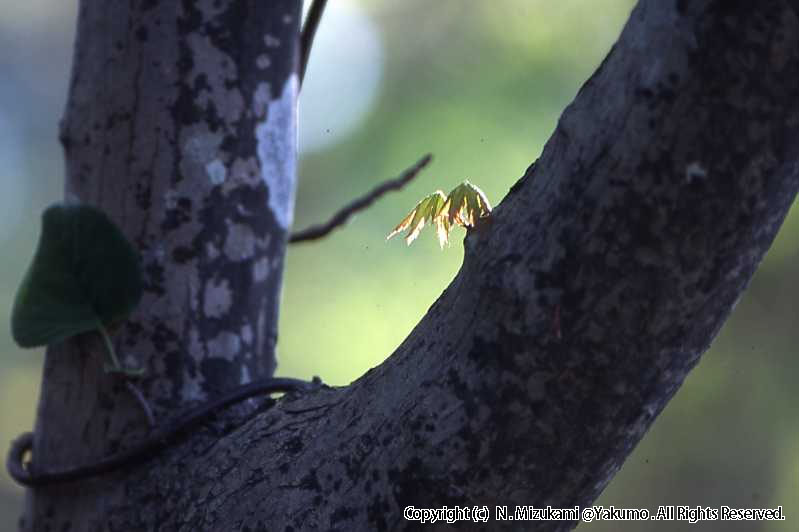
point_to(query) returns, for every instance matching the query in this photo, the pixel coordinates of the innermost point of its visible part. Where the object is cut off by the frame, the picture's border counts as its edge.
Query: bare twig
(308, 33)
(318, 231)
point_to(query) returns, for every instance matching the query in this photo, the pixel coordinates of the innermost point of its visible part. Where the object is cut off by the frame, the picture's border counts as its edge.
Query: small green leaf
(85, 275)
(464, 206)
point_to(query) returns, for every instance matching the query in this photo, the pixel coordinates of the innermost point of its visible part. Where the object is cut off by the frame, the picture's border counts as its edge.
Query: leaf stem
(109, 345)
(115, 366)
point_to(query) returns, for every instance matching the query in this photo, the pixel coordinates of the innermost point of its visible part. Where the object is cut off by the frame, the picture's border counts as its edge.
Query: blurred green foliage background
(480, 85)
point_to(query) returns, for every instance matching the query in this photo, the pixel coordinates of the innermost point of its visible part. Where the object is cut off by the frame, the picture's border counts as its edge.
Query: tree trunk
(181, 124)
(582, 303)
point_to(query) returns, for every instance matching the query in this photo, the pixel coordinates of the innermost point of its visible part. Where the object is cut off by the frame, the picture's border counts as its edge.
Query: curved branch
(309, 32)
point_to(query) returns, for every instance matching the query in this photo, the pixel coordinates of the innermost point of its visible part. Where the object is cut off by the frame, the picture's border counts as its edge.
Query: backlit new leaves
(84, 275)
(426, 211)
(463, 206)
(466, 204)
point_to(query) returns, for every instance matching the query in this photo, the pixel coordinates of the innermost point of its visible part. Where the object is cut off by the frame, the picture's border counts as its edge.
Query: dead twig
(318, 231)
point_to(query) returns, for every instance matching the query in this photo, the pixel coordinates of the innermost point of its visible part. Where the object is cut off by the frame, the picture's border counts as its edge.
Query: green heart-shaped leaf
(84, 275)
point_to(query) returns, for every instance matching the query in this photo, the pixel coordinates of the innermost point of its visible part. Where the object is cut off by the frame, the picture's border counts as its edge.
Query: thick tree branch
(643, 220)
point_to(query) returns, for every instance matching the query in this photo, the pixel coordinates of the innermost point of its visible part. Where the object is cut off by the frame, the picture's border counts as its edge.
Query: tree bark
(181, 124)
(581, 305)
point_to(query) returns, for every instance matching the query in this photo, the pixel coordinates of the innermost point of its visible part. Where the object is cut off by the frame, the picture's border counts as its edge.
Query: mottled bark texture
(581, 305)
(181, 124)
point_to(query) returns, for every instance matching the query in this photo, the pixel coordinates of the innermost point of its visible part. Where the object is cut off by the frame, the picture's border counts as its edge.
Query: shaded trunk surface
(181, 125)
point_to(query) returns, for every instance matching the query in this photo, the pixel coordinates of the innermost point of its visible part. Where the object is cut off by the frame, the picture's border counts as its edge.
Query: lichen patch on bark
(277, 148)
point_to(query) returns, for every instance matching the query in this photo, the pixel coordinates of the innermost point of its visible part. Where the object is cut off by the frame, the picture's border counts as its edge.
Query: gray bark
(181, 124)
(581, 306)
